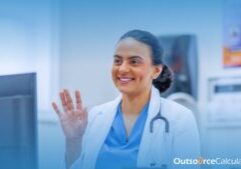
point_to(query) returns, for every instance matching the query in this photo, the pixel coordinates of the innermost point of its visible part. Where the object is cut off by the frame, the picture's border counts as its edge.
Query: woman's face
(132, 70)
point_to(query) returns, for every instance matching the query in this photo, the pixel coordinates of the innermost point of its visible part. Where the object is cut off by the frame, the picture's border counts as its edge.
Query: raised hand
(73, 119)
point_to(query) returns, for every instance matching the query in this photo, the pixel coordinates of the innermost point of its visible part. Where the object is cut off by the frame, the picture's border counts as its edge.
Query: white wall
(28, 42)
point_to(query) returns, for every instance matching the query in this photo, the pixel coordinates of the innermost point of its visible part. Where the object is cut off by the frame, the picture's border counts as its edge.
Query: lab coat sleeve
(186, 142)
(78, 164)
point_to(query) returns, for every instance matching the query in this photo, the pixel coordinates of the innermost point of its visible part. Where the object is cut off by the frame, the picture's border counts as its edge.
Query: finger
(69, 101)
(56, 109)
(63, 101)
(85, 114)
(78, 100)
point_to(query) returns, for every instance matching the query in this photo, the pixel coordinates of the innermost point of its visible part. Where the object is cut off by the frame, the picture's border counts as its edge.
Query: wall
(29, 43)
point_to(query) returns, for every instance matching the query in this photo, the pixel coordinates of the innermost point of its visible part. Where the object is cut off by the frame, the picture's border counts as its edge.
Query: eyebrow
(131, 57)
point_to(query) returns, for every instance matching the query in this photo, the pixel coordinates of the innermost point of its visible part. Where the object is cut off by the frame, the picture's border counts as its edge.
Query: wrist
(73, 141)
(73, 150)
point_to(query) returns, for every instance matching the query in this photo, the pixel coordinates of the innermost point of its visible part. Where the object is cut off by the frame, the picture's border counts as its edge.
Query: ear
(157, 71)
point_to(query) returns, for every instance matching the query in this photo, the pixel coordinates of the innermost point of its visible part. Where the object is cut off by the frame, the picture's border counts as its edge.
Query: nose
(124, 67)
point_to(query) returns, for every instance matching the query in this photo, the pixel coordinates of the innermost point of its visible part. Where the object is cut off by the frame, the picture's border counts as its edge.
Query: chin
(127, 91)
(124, 89)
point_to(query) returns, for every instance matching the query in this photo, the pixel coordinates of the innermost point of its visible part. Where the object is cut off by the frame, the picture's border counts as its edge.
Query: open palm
(74, 118)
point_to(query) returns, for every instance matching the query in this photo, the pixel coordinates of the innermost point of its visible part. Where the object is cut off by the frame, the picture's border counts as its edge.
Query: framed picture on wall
(232, 34)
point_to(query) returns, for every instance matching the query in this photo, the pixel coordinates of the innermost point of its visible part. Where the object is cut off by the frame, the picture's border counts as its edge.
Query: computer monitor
(18, 121)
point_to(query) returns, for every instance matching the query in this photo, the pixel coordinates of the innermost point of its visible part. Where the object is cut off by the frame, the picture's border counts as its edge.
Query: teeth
(125, 79)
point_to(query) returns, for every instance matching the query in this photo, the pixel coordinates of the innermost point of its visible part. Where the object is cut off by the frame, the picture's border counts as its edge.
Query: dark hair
(164, 80)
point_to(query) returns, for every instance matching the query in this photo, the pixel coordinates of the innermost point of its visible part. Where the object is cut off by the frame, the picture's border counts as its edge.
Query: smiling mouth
(125, 80)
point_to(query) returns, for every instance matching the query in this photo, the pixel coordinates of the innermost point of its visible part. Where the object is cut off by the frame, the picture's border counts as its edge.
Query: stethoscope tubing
(159, 117)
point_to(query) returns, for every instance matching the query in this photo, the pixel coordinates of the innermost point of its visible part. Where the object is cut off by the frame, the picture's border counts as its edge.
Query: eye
(135, 61)
(117, 61)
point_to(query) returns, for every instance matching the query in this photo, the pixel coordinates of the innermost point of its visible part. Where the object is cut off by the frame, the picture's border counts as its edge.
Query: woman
(121, 133)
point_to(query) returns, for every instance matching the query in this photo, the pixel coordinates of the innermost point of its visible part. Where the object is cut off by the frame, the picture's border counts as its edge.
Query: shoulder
(176, 112)
(182, 121)
(171, 108)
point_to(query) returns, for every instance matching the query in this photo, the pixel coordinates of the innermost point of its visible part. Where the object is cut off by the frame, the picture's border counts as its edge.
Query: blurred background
(70, 44)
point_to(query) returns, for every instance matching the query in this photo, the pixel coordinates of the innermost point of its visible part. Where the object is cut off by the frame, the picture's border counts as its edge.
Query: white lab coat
(157, 148)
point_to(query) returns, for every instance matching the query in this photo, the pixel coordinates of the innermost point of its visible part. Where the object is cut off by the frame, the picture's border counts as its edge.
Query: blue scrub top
(118, 150)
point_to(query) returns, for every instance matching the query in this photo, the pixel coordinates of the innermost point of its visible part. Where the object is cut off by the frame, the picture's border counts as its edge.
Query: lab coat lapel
(100, 130)
(147, 149)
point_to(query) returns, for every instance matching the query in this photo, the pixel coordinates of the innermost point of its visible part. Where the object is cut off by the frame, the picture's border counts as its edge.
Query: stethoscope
(159, 116)
(167, 129)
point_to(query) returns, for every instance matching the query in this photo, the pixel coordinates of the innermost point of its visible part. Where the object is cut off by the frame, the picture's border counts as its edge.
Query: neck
(133, 104)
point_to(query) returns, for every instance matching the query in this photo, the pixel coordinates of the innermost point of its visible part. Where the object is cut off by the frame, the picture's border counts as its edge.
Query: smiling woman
(122, 133)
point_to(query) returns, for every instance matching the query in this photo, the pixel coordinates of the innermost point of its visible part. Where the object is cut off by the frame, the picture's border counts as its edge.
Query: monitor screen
(18, 121)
